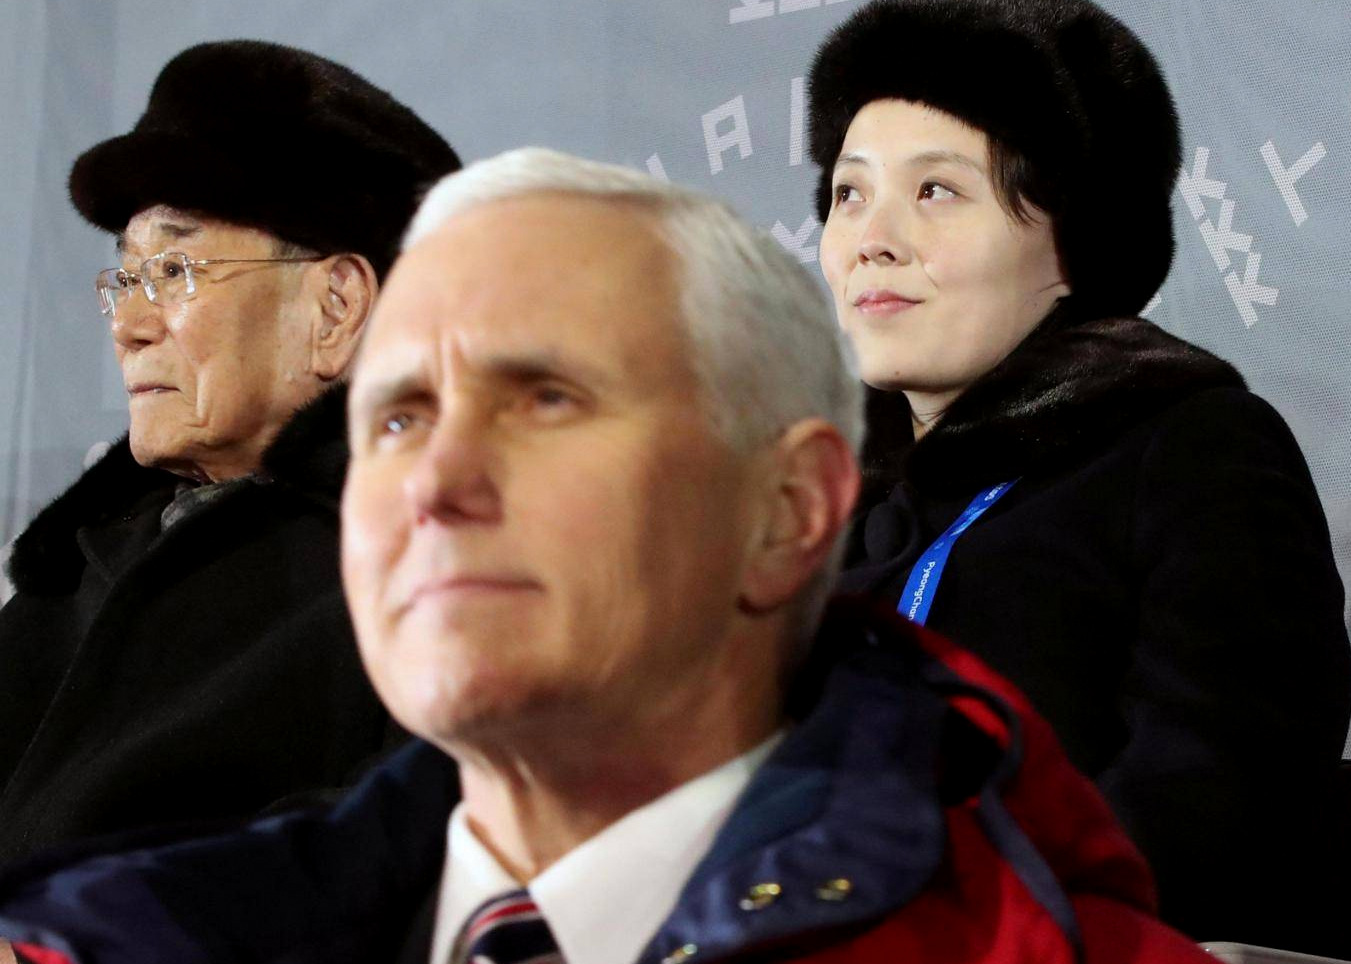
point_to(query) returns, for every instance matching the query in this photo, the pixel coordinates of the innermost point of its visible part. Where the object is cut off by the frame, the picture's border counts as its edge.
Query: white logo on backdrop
(727, 128)
(797, 115)
(1196, 187)
(797, 241)
(1222, 238)
(1285, 177)
(747, 10)
(738, 135)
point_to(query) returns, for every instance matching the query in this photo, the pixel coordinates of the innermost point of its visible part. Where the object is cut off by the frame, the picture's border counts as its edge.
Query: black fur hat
(268, 136)
(1060, 81)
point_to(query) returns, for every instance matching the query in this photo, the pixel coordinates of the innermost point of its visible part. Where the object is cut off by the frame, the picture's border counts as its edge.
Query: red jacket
(978, 911)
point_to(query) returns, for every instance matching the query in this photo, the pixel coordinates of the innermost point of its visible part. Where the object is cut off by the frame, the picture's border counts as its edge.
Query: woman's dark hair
(1023, 189)
(1062, 80)
(1019, 185)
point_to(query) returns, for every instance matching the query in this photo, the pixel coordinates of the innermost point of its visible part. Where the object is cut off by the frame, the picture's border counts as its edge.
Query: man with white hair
(602, 454)
(178, 649)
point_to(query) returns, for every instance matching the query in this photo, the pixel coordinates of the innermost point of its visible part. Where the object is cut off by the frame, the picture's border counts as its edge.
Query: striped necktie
(508, 929)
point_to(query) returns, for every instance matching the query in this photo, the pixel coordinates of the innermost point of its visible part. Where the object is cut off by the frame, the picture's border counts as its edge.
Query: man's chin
(154, 451)
(467, 708)
(149, 450)
(460, 724)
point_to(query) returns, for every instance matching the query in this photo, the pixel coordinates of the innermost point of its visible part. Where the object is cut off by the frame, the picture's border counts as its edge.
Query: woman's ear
(1061, 288)
(346, 299)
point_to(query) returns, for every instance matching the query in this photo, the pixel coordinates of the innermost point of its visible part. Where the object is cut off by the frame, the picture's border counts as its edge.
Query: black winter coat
(208, 671)
(1160, 582)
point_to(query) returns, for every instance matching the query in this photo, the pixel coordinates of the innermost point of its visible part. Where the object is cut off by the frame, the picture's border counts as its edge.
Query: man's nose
(136, 322)
(453, 480)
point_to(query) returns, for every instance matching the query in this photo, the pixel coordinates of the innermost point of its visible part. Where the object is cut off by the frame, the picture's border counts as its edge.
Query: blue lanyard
(923, 582)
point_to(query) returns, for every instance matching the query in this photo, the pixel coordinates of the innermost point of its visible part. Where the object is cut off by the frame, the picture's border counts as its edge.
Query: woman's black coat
(1160, 582)
(207, 671)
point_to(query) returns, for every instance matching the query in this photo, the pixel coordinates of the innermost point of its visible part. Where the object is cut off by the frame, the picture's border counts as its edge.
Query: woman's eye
(933, 191)
(845, 192)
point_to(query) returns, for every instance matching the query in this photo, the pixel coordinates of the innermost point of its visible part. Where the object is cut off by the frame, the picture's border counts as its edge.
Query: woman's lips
(881, 301)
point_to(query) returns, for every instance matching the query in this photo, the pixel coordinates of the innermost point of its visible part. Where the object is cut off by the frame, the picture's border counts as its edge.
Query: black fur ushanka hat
(1063, 83)
(272, 137)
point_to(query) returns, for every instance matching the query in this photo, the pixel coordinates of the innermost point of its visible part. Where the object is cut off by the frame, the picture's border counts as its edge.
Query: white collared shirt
(604, 899)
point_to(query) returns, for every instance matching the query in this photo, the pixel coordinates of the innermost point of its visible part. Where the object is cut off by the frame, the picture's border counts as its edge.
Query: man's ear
(346, 297)
(814, 484)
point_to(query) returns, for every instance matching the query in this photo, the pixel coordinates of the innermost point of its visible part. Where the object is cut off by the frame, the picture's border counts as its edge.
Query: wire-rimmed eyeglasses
(167, 278)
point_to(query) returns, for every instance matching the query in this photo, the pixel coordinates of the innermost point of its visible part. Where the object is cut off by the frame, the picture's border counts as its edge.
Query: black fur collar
(310, 452)
(309, 455)
(1060, 391)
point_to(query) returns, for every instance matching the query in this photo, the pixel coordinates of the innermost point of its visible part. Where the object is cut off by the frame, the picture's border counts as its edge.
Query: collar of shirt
(636, 867)
(190, 497)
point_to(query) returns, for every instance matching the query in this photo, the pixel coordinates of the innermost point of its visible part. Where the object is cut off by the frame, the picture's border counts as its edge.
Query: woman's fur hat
(1060, 81)
(268, 136)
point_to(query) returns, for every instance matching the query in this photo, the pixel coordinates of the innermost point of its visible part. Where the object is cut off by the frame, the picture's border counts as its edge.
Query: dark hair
(1019, 185)
(1076, 93)
(1025, 190)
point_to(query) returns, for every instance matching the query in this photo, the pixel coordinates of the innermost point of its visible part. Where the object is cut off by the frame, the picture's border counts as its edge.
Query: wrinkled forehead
(160, 226)
(570, 278)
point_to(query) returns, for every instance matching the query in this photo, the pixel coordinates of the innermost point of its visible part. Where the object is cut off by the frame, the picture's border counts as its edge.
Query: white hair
(767, 351)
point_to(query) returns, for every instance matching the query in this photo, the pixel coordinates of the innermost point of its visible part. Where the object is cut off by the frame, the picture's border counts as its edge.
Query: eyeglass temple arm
(251, 260)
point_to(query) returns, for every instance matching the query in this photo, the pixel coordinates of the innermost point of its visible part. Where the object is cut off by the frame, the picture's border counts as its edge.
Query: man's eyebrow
(533, 367)
(176, 231)
(516, 369)
(372, 395)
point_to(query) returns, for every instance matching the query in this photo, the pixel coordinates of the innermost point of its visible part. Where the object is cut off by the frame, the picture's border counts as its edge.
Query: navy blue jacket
(957, 825)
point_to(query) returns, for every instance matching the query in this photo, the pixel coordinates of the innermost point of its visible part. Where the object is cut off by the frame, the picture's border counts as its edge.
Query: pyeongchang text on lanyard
(922, 585)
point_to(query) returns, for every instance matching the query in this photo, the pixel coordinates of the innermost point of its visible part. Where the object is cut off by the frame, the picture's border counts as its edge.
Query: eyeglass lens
(166, 278)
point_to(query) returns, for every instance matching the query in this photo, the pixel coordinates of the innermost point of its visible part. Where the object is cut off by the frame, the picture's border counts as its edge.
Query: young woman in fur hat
(1099, 509)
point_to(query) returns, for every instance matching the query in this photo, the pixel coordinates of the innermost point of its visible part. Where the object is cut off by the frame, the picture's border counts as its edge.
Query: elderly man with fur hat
(178, 649)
